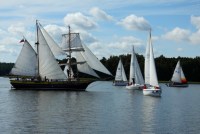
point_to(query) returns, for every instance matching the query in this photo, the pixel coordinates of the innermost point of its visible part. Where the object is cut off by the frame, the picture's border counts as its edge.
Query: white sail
(52, 44)
(26, 62)
(84, 67)
(176, 77)
(153, 74)
(147, 64)
(132, 67)
(138, 74)
(150, 69)
(135, 71)
(48, 66)
(75, 42)
(93, 61)
(120, 73)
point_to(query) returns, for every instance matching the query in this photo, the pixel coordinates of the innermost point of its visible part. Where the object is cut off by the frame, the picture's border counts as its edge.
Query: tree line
(164, 66)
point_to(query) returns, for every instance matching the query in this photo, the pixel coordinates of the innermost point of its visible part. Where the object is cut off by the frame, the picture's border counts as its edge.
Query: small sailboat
(151, 87)
(178, 78)
(136, 80)
(120, 77)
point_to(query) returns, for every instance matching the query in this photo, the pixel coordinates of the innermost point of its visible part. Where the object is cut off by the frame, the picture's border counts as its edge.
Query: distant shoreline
(189, 82)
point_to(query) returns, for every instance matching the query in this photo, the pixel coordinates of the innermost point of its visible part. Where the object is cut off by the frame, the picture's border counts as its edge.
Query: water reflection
(102, 109)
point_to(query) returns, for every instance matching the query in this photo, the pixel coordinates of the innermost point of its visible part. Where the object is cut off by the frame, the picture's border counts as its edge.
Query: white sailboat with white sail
(120, 77)
(151, 87)
(178, 78)
(136, 80)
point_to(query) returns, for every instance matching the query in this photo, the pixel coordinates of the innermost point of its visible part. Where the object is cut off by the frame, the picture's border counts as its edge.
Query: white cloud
(17, 29)
(79, 20)
(179, 49)
(100, 14)
(177, 34)
(195, 20)
(195, 37)
(133, 22)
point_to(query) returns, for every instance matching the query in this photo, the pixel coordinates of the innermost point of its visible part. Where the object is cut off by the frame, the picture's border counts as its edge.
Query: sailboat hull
(42, 85)
(135, 87)
(174, 84)
(152, 92)
(120, 83)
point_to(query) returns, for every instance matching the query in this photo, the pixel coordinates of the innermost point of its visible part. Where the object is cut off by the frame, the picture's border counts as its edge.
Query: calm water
(103, 109)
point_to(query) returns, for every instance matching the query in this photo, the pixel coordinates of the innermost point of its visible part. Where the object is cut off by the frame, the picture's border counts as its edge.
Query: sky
(107, 27)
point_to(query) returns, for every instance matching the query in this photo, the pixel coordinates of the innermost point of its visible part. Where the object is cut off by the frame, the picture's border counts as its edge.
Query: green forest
(165, 66)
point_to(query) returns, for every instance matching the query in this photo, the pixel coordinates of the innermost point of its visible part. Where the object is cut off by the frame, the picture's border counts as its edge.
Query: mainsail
(26, 61)
(135, 71)
(147, 60)
(120, 73)
(56, 50)
(178, 75)
(150, 69)
(48, 66)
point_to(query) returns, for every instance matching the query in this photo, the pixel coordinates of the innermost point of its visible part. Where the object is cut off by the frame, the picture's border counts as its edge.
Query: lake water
(102, 109)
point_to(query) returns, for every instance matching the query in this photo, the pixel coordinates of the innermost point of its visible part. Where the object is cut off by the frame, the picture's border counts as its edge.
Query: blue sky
(107, 27)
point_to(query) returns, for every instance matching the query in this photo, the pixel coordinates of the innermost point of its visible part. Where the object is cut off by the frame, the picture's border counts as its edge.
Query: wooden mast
(70, 51)
(37, 45)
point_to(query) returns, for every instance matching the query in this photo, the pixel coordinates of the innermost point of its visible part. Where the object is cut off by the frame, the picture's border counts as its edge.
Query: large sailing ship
(39, 70)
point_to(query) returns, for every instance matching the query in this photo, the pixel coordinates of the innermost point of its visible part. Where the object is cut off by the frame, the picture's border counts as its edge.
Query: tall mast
(37, 45)
(70, 51)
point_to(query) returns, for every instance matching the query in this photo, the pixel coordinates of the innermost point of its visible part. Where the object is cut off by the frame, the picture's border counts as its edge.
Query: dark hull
(173, 84)
(38, 85)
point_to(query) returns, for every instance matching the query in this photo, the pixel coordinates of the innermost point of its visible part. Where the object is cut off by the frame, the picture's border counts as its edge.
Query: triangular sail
(56, 50)
(120, 73)
(93, 61)
(26, 62)
(132, 67)
(176, 77)
(138, 74)
(84, 68)
(147, 64)
(135, 71)
(150, 69)
(48, 66)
